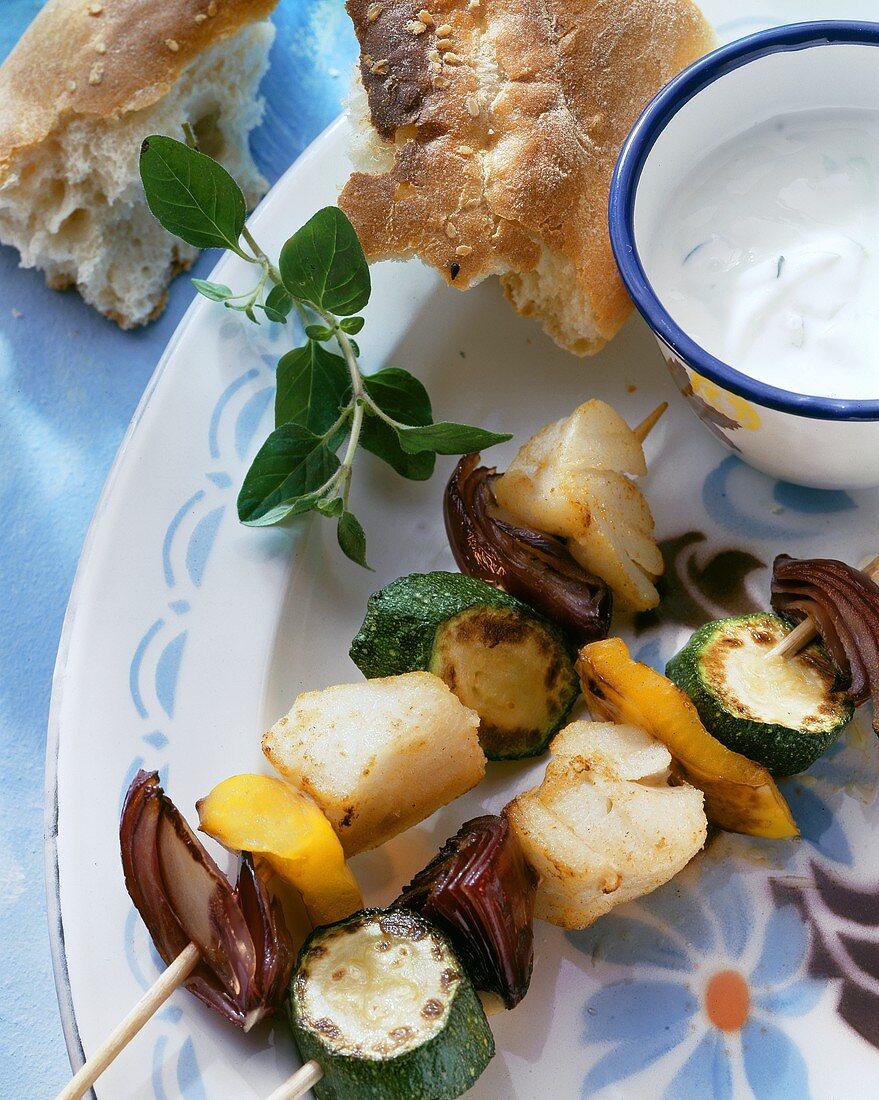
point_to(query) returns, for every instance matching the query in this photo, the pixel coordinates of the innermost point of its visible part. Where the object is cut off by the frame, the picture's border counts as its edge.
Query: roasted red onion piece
(535, 567)
(275, 953)
(247, 953)
(843, 603)
(479, 890)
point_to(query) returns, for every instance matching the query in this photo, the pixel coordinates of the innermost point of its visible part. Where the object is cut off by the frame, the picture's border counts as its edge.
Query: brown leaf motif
(698, 587)
(844, 918)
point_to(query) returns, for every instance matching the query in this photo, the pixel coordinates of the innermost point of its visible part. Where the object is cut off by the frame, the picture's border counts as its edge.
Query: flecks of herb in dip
(768, 256)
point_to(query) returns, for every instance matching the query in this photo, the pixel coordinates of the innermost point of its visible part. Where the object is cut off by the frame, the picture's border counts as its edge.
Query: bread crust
(101, 58)
(507, 137)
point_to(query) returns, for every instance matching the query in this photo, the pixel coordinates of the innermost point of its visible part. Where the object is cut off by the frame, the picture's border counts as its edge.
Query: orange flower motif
(705, 985)
(727, 1000)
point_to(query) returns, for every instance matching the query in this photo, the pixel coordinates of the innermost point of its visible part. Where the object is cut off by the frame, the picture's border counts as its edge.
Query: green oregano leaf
(352, 539)
(287, 477)
(217, 292)
(318, 332)
(279, 301)
(403, 398)
(312, 386)
(278, 318)
(331, 507)
(191, 195)
(322, 267)
(323, 263)
(448, 439)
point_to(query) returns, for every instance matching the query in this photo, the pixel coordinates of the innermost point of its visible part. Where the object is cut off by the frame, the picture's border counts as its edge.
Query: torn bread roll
(89, 80)
(488, 135)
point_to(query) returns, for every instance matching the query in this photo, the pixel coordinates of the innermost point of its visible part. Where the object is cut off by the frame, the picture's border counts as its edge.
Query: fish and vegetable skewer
(447, 1042)
(289, 837)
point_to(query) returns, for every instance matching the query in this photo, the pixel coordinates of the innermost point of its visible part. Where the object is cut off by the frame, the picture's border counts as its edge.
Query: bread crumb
(172, 44)
(444, 31)
(100, 48)
(380, 67)
(96, 9)
(463, 250)
(453, 58)
(71, 85)
(451, 230)
(201, 18)
(474, 5)
(440, 82)
(97, 73)
(472, 102)
(373, 12)
(465, 151)
(444, 44)
(425, 17)
(416, 27)
(212, 8)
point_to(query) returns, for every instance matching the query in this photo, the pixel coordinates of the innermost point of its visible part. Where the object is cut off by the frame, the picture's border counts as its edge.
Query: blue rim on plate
(624, 187)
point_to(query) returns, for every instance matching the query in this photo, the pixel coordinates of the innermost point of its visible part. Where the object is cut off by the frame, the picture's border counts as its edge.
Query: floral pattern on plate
(713, 989)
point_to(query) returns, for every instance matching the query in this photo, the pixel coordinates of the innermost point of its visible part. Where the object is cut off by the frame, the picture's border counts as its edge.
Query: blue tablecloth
(69, 383)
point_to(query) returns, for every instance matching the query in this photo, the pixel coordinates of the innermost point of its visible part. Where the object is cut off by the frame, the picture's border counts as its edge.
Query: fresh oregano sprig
(323, 399)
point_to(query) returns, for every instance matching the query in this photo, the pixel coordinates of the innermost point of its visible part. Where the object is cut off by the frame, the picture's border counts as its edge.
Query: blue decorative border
(624, 188)
(246, 422)
(236, 415)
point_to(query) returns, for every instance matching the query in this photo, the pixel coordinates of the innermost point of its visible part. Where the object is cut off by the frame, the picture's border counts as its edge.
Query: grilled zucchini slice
(783, 712)
(499, 656)
(382, 1003)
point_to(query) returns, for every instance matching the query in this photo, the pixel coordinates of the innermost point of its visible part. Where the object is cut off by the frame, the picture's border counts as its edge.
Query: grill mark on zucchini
(434, 1054)
(500, 657)
(795, 715)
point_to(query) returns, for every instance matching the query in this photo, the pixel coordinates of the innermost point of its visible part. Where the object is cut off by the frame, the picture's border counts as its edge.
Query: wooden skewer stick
(801, 635)
(170, 979)
(159, 992)
(299, 1084)
(649, 422)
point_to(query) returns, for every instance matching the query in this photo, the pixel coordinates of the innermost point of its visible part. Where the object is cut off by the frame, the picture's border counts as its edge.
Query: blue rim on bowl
(624, 187)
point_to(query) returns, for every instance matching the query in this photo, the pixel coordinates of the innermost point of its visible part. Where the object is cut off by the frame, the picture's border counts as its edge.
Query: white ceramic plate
(188, 634)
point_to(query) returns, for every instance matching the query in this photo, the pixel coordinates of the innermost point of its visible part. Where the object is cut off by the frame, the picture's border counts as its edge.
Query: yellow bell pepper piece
(266, 816)
(740, 795)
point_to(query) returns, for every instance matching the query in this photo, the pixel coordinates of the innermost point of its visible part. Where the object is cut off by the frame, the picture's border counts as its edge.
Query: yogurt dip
(768, 255)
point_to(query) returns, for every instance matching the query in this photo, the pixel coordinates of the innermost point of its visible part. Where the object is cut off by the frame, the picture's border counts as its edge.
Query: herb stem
(353, 440)
(381, 414)
(262, 258)
(331, 483)
(358, 392)
(331, 431)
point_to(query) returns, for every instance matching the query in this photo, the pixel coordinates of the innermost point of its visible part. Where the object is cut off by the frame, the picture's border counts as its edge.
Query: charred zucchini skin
(403, 624)
(780, 749)
(442, 1068)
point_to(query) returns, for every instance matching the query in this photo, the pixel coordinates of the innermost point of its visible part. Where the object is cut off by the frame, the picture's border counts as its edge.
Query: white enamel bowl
(816, 441)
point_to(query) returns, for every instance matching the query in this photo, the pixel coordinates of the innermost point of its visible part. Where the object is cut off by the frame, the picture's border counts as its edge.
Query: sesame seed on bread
(488, 135)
